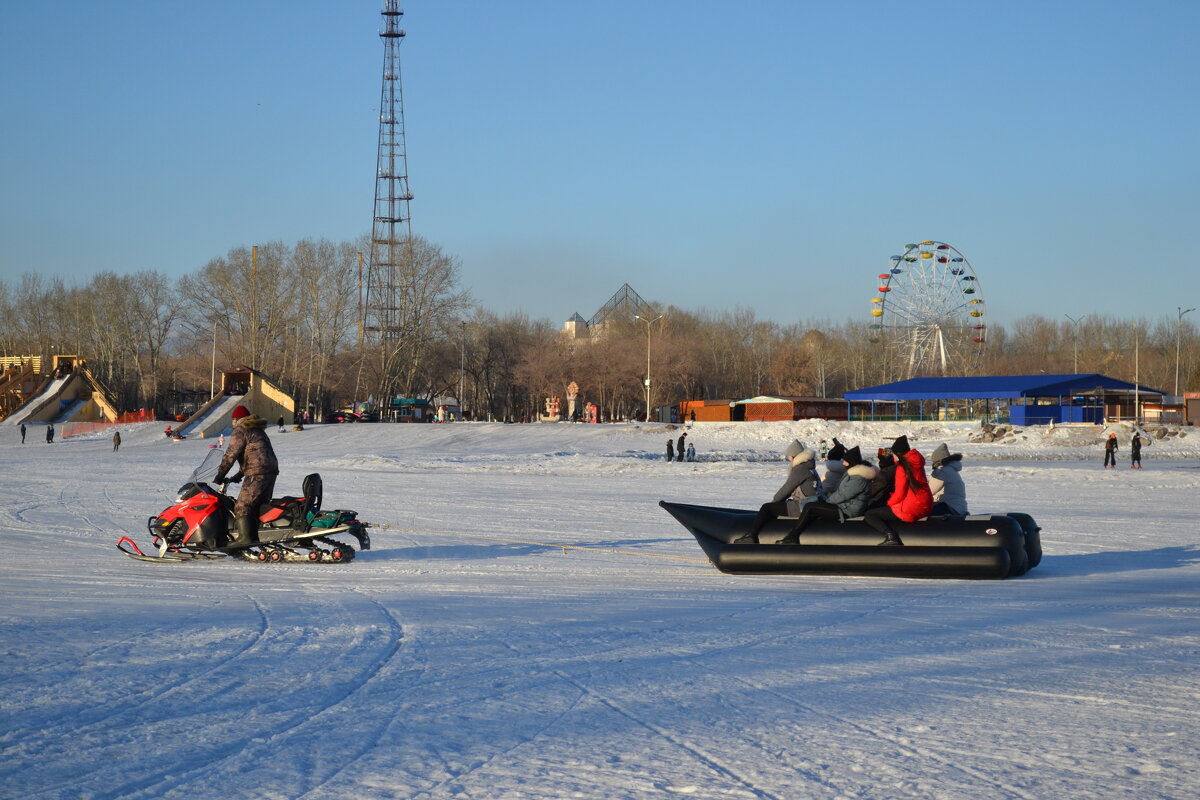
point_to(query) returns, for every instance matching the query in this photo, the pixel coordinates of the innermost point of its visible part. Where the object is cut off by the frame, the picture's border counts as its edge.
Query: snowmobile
(199, 525)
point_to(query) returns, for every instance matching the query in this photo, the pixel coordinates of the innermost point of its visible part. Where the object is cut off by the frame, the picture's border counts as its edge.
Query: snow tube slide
(992, 546)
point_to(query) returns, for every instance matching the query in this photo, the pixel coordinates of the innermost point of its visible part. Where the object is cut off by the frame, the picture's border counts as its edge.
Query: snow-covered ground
(444, 663)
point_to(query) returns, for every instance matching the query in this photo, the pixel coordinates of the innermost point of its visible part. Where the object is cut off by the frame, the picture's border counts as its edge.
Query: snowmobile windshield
(208, 467)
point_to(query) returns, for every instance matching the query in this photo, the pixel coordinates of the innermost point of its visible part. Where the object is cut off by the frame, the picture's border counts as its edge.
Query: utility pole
(1137, 399)
(1075, 338)
(253, 307)
(1178, 339)
(649, 324)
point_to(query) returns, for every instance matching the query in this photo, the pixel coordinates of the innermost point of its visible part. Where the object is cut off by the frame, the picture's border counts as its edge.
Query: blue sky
(768, 155)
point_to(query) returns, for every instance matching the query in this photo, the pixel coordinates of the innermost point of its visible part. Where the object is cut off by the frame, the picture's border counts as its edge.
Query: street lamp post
(1075, 338)
(649, 324)
(462, 362)
(212, 376)
(1178, 339)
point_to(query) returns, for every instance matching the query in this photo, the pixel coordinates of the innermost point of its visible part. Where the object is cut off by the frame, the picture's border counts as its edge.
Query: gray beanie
(940, 454)
(795, 448)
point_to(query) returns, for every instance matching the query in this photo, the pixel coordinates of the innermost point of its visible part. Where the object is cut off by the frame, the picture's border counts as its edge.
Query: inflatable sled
(995, 546)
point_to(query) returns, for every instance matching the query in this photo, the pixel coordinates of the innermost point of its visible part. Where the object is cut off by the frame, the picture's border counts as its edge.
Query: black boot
(793, 537)
(749, 538)
(892, 539)
(246, 532)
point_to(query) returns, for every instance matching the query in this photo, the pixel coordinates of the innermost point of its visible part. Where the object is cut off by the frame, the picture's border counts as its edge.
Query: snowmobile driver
(250, 448)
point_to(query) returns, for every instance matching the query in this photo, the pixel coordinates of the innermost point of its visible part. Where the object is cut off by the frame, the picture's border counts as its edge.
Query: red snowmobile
(198, 526)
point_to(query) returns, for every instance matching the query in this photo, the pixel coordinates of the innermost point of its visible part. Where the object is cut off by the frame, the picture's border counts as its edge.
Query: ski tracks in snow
(259, 714)
(32, 739)
(293, 743)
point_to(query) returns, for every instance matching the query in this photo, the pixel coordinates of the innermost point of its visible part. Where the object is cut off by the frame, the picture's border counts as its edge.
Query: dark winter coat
(1110, 444)
(1135, 448)
(947, 485)
(881, 487)
(911, 503)
(249, 447)
(801, 483)
(853, 491)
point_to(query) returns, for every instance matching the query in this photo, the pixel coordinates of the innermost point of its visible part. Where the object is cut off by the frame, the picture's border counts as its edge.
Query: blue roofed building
(1029, 399)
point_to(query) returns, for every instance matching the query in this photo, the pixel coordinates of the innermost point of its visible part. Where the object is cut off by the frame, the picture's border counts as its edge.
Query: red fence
(80, 428)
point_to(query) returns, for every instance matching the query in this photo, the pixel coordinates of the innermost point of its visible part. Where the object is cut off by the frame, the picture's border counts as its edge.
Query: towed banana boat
(980, 546)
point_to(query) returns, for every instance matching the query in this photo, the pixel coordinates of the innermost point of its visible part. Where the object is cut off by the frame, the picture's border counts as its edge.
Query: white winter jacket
(947, 484)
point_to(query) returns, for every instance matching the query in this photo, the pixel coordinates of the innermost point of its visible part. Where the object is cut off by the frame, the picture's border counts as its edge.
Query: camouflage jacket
(250, 448)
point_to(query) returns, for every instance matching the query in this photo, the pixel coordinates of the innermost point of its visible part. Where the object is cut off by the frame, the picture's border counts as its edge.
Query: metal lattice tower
(391, 230)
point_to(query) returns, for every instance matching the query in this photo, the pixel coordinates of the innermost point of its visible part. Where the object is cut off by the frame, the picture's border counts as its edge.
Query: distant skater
(681, 447)
(22, 433)
(1135, 452)
(1110, 451)
(49, 434)
(670, 450)
(116, 441)
(691, 452)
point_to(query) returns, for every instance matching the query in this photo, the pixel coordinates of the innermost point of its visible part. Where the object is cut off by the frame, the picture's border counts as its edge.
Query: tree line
(293, 312)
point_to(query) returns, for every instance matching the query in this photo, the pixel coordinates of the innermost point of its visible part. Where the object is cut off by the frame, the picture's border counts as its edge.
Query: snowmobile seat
(313, 488)
(287, 512)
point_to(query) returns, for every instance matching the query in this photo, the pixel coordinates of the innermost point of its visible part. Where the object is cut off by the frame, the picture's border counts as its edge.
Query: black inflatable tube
(1033, 537)
(939, 547)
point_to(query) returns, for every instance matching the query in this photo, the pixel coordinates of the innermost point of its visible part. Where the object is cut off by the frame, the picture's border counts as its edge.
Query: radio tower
(391, 231)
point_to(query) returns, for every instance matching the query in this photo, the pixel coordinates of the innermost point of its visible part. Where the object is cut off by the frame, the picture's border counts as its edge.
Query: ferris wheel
(930, 311)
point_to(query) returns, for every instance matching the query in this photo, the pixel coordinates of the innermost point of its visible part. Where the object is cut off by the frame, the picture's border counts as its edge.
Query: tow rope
(563, 547)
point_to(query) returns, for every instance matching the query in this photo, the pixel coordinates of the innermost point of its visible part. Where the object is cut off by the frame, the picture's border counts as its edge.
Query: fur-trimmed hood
(805, 455)
(864, 471)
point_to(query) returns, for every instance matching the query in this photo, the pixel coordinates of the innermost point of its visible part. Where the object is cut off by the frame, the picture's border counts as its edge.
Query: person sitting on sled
(799, 488)
(250, 448)
(946, 484)
(848, 500)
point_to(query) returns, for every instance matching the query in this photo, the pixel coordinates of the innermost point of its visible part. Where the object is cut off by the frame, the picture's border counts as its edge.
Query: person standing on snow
(799, 488)
(1110, 451)
(50, 433)
(1135, 451)
(22, 433)
(681, 448)
(250, 448)
(670, 451)
(691, 452)
(116, 441)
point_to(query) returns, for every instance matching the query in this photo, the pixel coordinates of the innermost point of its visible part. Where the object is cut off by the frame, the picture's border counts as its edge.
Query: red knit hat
(240, 412)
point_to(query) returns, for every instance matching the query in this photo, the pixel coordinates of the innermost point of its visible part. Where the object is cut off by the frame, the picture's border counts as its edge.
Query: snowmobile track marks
(256, 746)
(709, 761)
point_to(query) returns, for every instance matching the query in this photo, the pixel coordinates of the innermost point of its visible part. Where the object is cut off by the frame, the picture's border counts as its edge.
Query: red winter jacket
(911, 504)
